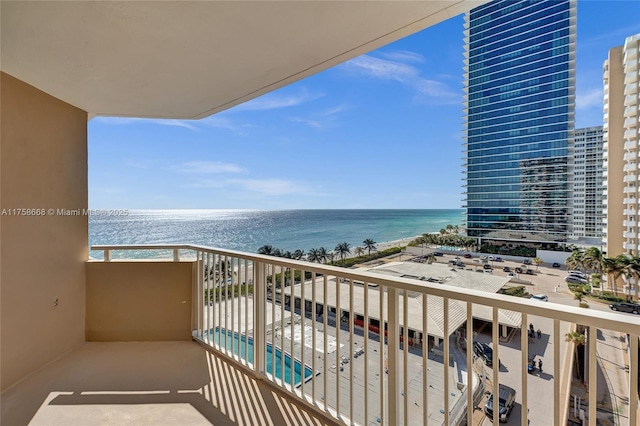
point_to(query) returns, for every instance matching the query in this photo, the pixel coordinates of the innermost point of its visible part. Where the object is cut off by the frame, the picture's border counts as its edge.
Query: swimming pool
(238, 342)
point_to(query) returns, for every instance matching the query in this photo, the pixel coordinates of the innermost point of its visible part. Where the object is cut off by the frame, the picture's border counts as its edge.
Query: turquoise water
(247, 230)
(239, 348)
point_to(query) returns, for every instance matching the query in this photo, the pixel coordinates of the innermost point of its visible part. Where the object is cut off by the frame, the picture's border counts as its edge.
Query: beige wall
(139, 301)
(43, 165)
(615, 163)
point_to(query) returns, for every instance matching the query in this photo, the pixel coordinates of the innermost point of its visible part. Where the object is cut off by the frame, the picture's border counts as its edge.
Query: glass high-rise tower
(519, 119)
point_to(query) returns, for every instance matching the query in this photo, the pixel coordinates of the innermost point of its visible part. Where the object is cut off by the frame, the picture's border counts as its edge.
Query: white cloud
(207, 167)
(403, 56)
(590, 98)
(208, 183)
(335, 110)
(311, 123)
(405, 74)
(383, 69)
(276, 101)
(188, 124)
(271, 186)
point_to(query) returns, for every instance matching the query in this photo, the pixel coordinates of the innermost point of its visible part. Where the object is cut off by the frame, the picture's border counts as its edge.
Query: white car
(511, 275)
(540, 297)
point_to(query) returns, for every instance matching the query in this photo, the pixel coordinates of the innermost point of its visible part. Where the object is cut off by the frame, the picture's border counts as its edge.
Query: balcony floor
(149, 383)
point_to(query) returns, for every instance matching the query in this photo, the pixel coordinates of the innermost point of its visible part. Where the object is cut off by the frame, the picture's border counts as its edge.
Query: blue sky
(380, 131)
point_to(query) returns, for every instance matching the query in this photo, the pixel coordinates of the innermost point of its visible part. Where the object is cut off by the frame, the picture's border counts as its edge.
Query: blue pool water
(239, 348)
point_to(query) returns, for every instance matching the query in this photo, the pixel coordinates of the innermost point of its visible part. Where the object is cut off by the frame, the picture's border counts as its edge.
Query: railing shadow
(184, 381)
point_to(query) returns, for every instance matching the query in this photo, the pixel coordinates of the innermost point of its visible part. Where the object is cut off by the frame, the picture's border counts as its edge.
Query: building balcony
(630, 178)
(631, 99)
(629, 234)
(629, 246)
(630, 166)
(630, 145)
(629, 189)
(630, 156)
(629, 223)
(228, 312)
(632, 201)
(631, 134)
(631, 122)
(629, 212)
(630, 89)
(630, 112)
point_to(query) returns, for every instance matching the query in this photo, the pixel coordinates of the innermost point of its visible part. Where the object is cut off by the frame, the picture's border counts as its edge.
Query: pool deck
(338, 384)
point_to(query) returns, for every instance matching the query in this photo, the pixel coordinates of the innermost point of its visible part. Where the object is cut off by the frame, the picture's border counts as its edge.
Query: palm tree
(369, 245)
(576, 260)
(593, 259)
(331, 255)
(266, 249)
(313, 255)
(322, 255)
(359, 251)
(343, 249)
(298, 254)
(537, 261)
(578, 339)
(612, 269)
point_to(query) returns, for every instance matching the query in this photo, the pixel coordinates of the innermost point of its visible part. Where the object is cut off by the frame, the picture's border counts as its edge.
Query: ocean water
(247, 230)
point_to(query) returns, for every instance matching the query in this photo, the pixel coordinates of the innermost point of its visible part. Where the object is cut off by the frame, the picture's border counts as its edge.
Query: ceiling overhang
(191, 59)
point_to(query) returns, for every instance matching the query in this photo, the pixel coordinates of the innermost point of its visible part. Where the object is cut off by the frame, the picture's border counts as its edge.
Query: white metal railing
(368, 348)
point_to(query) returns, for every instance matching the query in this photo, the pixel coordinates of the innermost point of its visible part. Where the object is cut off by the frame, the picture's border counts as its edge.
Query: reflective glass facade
(519, 119)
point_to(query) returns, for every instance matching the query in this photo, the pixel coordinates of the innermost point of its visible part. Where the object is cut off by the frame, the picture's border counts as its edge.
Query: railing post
(259, 307)
(393, 349)
(107, 255)
(176, 255)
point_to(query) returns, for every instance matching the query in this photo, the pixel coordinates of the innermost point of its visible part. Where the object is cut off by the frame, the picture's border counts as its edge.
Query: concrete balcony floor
(149, 383)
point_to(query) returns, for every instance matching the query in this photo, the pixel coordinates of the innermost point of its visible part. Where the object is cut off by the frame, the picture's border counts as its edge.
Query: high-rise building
(519, 118)
(621, 78)
(587, 186)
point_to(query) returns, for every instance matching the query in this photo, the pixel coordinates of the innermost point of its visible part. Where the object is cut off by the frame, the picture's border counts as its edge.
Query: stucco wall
(43, 165)
(139, 301)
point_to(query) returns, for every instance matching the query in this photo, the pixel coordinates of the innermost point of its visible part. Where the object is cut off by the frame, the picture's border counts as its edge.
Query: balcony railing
(370, 348)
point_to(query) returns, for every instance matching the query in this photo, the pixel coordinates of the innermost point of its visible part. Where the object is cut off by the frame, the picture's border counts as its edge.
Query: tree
(576, 260)
(578, 339)
(298, 254)
(343, 249)
(266, 249)
(537, 261)
(322, 255)
(331, 255)
(313, 255)
(593, 259)
(369, 245)
(359, 251)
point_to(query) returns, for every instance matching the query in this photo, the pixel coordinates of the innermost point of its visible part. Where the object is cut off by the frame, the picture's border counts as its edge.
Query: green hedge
(347, 263)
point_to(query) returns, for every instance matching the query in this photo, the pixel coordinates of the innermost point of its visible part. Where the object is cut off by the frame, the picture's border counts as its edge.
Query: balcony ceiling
(187, 59)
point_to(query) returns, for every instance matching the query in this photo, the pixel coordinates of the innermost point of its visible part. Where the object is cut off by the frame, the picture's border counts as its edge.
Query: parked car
(506, 269)
(467, 256)
(578, 274)
(486, 266)
(540, 297)
(488, 271)
(625, 307)
(498, 259)
(511, 275)
(518, 270)
(556, 265)
(483, 351)
(490, 258)
(527, 261)
(529, 271)
(575, 280)
(506, 401)
(438, 254)
(483, 257)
